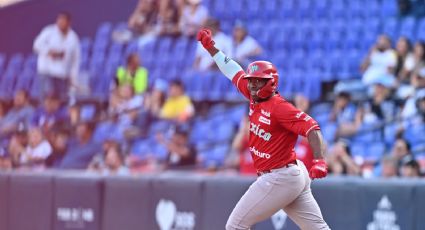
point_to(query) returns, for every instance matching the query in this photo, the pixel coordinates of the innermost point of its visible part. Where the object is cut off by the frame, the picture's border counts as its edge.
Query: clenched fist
(205, 37)
(319, 169)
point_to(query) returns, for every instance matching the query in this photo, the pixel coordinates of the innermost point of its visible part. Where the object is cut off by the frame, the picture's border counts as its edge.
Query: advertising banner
(77, 202)
(126, 203)
(30, 201)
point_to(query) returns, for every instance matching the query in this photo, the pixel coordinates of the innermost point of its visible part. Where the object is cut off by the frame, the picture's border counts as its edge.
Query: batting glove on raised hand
(205, 37)
(319, 169)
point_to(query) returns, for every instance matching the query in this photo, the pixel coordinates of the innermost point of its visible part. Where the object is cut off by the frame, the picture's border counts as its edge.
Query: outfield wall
(59, 201)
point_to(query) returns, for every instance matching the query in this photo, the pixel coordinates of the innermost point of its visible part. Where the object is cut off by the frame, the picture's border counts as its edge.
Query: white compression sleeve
(226, 65)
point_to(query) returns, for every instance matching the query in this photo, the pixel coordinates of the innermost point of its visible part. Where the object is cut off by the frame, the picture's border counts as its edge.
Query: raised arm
(226, 65)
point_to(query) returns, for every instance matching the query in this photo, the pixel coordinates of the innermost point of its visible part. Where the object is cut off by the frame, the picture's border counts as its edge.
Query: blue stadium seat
(329, 131)
(374, 151)
(358, 150)
(287, 9)
(15, 64)
(35, 90)
(142, 149)
(388, 8)
(420, 32)
(7, 84)
(24, 81)
(373, 9)
(407, 27)
(390, 27)
(30, 63)
(220, 85)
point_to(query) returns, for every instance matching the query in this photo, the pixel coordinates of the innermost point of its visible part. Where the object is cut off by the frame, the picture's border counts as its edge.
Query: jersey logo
(253, 68)
(265, 113)
(226, 60)
(258, 153)
(264, 120)
(250, 112)
(258, 131)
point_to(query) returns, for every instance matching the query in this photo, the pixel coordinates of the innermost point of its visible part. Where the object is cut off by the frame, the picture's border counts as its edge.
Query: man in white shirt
(381, 62)
(203, 60)
(58, 49)
(418, 82)
(245, 48)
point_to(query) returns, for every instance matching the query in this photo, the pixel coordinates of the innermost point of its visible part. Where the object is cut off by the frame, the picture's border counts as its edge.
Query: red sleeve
(293, 119)
(241, 84)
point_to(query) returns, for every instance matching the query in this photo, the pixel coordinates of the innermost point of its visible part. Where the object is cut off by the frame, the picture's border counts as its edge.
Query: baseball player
(283, 182)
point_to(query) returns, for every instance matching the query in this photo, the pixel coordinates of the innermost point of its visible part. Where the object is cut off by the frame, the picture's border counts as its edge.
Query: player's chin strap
(267, 90)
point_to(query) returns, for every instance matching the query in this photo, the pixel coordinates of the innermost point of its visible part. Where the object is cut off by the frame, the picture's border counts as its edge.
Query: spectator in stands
(389, 167)
(193, 16)
(344, 115)
(59, 138)
(380, 62)
(381, 106)
(37, 150)
(58, 49)
(19, 116)
(112, 162)
(82, 147)
(133, 74)
(403, 49)
(16, 146)
(178, 106)
(340, 160)
(240, 157)
(50, 113)
(168, 21)
(203, 60)
(155, 100)
(413, 62)
(410, 168)
(143, 18)
(245, 48)
(181, 154)
(418, 82)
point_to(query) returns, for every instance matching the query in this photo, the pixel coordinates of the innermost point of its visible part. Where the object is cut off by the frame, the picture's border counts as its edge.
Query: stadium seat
(407, 27)
(24, 81)
(374, 151)
(388, 8)
(7, 84)
(420, 31)
(390, 27)
(15, 64)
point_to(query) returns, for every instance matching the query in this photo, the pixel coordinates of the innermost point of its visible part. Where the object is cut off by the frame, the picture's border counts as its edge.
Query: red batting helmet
(266, 70)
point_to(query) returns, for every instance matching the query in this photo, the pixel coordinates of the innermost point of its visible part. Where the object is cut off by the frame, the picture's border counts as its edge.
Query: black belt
(260, 173)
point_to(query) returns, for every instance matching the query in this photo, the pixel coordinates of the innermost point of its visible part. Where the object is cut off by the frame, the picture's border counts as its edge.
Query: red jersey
(274, 128)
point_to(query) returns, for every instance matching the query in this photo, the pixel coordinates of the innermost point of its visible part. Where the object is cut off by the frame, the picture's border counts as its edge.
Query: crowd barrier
(184, 201)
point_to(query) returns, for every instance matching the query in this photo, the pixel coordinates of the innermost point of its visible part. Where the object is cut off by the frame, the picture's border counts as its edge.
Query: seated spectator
(168, 21)
(37, 150)
(380, 62)
(381, 106)
(59, 139)
(125, 104)
(178, 106)
(203, 60)
(403, 49)
(240, 157)
(344, 115)
(112, 162)
(82, 147)
(340, 161)
(155, 100)
(410, 168)
(16, 146)
(49, 113)
(245, 48)
(389, 167)
(193, 16)
(143, 18)
(418, 82)
(133, 74)
(414, 62)
(19, 115)
(181, 154)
